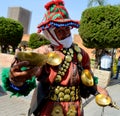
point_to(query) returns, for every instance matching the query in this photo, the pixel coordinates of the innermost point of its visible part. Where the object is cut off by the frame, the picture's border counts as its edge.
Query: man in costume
(61, 84)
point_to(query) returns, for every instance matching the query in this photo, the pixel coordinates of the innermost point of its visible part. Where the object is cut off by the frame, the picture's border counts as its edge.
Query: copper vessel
(87, 78)
(37, 59)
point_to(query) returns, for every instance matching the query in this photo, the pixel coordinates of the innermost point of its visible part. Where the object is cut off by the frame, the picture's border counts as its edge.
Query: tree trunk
(112, 63)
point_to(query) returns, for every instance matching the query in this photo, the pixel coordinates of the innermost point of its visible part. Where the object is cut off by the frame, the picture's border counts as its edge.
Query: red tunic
(71, 78)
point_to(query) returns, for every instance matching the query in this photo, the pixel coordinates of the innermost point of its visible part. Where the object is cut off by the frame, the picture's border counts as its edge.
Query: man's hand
(102, 91)
(19, 75)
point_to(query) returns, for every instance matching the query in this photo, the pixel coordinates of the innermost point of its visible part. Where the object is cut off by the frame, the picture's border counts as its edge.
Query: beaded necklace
(69, 55)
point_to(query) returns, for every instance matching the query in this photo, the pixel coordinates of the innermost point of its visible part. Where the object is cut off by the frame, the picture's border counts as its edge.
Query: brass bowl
(103, 100)
(54, 59)
(87, 78)
(37, 59)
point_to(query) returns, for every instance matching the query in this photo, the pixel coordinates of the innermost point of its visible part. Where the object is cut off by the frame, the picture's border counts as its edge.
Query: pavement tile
(92, 109)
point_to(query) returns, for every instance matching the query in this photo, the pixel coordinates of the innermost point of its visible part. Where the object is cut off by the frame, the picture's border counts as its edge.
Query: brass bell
(72, 93)
(54, 97)
(77, 49)
(58, 78)
(67, 97)
(72, 98)
(67, 91)
(61, 94)
(61, 89)
(57, 91)
(79, 57)
(71, 51)
(87, 78)
(68, 58)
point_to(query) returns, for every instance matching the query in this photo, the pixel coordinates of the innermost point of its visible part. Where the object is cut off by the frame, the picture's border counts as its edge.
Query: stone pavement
(19, 106)
(92, 109)
(14, 106)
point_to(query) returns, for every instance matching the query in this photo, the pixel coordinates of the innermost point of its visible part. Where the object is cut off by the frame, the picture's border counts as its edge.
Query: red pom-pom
(56, 2)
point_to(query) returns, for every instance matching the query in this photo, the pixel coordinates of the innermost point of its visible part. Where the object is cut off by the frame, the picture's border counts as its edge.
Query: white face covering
(67, 42)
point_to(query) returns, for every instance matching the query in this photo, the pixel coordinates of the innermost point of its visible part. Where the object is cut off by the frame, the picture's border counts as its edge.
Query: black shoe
(114, 78)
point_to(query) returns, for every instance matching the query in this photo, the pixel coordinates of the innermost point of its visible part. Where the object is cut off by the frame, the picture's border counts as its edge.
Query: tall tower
(22, 15)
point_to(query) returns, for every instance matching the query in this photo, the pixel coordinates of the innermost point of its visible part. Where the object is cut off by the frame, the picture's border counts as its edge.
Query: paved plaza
(18, 106)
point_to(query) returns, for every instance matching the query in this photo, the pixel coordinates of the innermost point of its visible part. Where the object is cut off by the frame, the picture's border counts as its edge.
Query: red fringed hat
(56, 16)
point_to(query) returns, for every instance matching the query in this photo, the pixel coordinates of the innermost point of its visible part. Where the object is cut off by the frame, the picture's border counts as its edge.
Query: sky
(74, 7)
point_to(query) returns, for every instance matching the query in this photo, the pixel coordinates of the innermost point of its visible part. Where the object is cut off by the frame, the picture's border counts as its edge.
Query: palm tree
(99, 2)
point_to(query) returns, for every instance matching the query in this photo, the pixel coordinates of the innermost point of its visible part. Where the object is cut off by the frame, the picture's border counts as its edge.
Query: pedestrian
(118, 69)
(106, 61)
(18, 49)
(24, 47)
(62, 83)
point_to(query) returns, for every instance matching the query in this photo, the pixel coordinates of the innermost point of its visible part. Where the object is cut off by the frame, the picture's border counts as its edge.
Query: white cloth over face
(67, 42)
(106, 61)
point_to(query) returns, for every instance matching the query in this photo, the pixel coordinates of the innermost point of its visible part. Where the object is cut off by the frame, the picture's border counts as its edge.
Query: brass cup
(103, 100)
(54, 59)
(87, 78)
(37, 59)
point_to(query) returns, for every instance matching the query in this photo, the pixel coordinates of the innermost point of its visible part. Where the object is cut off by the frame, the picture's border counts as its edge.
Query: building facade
(22, 15)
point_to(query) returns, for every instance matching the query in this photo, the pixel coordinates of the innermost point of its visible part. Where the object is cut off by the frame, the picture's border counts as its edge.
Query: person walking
(106, 61)
(118, 69)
